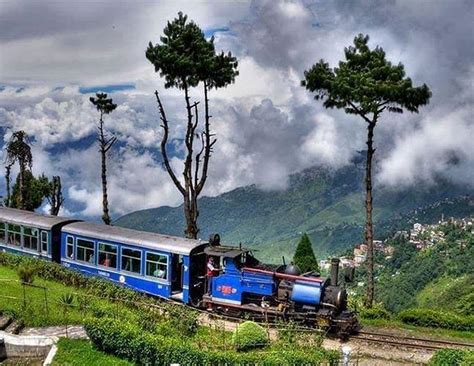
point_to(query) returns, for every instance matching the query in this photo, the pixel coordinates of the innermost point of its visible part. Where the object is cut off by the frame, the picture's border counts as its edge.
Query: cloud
(435, 150)
(267, 125)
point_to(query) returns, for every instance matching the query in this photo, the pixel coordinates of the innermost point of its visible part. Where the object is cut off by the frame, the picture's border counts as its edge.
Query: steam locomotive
(176, 268)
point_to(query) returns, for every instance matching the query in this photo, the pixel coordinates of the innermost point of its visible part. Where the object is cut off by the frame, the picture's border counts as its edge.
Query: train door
(55, 244)
(197, 276)
(177, 274)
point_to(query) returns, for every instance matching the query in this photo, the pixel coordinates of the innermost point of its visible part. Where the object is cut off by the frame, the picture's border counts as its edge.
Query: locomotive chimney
(334, 271)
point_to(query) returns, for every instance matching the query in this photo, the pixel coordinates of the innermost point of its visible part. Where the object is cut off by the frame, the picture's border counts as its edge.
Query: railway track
(409, 342)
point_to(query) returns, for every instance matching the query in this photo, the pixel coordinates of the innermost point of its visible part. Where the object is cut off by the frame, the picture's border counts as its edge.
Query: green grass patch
(35, 309)
(448, 293)
(79, 352)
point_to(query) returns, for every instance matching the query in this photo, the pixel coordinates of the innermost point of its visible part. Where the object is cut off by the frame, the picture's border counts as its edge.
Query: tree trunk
(7, 182)
(103, 154)
(190, 213)
(21, 186)
(56, 197)
(369, 240)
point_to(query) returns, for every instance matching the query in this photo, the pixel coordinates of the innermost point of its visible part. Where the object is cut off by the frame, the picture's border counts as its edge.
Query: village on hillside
(421, 236)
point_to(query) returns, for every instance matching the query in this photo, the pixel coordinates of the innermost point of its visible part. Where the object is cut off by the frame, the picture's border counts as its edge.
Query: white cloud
(441, 148)
(267, 125)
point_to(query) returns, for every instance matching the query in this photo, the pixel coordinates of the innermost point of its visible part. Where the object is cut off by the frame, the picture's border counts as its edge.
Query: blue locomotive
(177, 268)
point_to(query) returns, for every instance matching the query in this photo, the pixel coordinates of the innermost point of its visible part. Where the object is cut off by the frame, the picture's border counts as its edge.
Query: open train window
(44, 242)
(85, 251)
(30, 238)
(131, 260)
(2, 232)
(70, 247)
(108, 255)
(14, 235)
(156, 266)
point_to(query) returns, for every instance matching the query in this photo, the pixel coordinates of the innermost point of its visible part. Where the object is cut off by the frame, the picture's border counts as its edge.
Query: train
(178, 269)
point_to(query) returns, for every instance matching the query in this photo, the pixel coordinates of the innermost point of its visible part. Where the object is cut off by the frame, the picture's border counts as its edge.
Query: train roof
(118, 234)
(28, 218)
(225, 251)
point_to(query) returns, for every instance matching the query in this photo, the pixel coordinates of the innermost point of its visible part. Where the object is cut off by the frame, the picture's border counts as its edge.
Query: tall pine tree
(304, 256)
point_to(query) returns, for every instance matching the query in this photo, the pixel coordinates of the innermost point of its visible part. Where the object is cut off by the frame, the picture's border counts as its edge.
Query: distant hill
(328, 205)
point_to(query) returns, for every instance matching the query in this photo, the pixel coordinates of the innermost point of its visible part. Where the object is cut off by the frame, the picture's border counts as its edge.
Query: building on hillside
(389, 250)
(347, 262)
(324, 264)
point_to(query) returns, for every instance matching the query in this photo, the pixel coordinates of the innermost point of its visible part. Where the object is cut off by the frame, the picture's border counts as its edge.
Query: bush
(433, 318)
(452, 357)
(374, 313)
(249, 335)
(129, 341)
(27, 272)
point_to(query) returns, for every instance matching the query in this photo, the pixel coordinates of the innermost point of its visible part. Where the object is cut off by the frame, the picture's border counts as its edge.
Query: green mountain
(327, 205)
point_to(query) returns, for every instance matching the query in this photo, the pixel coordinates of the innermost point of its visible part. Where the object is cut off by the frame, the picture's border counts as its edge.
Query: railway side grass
(41, 304)
(79, 352)
(127, 324)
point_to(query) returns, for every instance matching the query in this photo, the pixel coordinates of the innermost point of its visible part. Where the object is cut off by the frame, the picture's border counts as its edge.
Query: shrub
(374, 313)
(452, 357)
(433, 318)
(27, 272)
(129, 341)
(249, 335)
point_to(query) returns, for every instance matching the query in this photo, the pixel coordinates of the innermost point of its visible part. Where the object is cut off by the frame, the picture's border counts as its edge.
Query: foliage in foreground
(452, 357)
(79, 352)
(92, 295)
(126, 340)
(433, 318)
(249, 335)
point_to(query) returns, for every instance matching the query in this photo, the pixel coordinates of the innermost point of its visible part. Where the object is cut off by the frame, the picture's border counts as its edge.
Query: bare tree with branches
(105, 106)
(185, 58)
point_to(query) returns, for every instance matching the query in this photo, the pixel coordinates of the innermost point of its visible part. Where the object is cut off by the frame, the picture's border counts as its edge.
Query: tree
(55, 196)
(18, 150)
(35, 191)
(366, 84)
(185, 58)
(304, 256)
(105, 106)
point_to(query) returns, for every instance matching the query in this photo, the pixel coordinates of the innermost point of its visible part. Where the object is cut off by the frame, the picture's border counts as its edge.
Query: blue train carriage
(158, 265)
(30, 233)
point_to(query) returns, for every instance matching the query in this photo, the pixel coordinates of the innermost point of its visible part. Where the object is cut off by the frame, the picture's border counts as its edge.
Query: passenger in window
(160, 273)
(91, 259)
(106, 261)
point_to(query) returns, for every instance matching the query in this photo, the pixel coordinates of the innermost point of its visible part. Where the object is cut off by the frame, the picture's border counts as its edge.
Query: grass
(78, 352)
(419, 331)
(12, 301)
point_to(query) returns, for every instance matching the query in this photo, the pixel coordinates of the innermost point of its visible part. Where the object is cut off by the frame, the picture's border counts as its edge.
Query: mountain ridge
(327, 204)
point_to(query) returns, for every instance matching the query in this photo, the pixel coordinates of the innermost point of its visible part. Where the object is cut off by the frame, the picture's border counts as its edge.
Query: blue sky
(266, 124)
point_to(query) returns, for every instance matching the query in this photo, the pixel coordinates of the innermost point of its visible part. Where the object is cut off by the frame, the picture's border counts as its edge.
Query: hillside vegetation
(439, 277)
(327, 205)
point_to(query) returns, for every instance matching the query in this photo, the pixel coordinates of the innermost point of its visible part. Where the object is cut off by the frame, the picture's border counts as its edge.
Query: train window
(157, 265)
(44, 242)
(85, 251)
(131, 260)
(108, 255)
(30, 238)
(70, 247)
(2, 232)
(14, 235)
